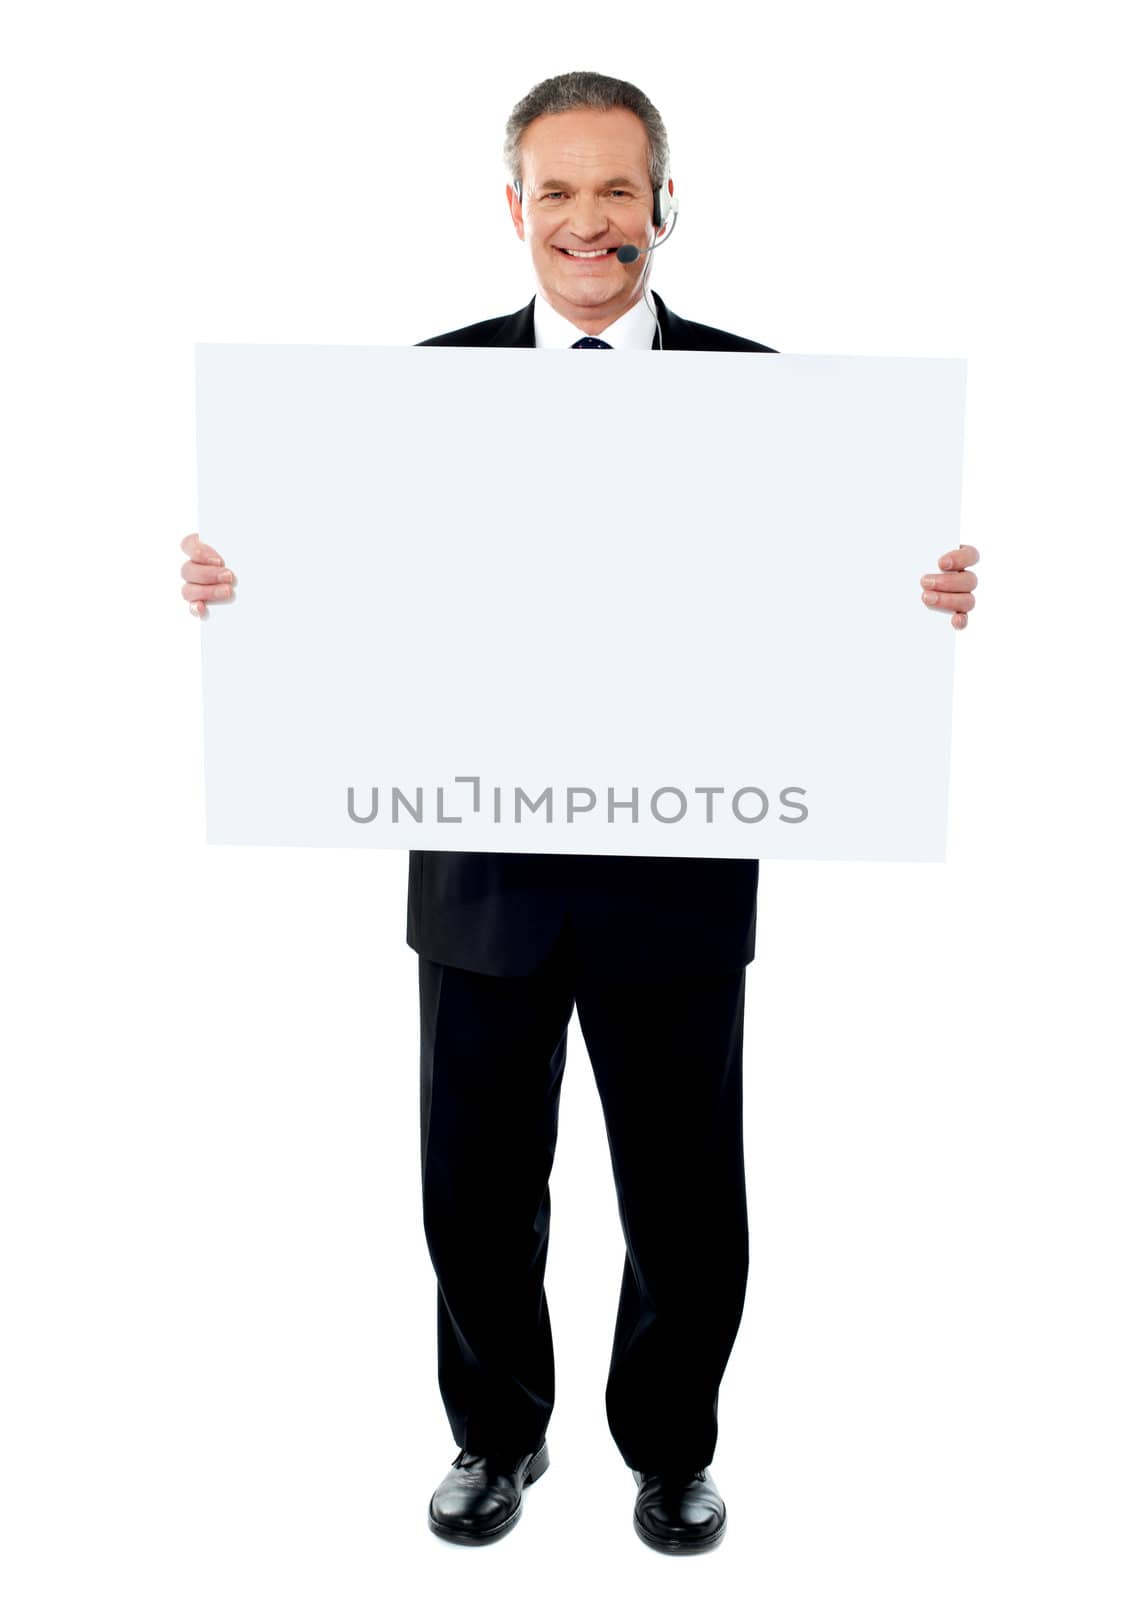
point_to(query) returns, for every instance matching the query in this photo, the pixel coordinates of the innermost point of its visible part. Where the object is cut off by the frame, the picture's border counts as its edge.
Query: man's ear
(515, 211)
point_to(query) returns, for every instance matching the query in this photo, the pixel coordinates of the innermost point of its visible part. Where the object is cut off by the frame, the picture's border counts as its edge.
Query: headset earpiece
(664, 204)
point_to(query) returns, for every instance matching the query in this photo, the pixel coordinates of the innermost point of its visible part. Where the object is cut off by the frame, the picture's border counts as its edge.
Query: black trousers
(667, 1060)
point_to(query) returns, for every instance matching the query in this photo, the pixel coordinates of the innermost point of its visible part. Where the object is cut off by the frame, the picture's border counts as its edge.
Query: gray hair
(574, 91)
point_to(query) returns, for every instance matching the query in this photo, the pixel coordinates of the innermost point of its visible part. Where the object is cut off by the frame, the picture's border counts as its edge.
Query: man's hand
(205, 576)
(952, 589)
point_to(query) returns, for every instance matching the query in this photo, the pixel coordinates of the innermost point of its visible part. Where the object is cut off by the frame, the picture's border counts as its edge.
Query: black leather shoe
(679, 1512)
(480, 1498)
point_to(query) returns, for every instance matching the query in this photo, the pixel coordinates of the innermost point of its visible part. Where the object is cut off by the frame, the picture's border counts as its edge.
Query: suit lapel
(518, 328)
(670, 325)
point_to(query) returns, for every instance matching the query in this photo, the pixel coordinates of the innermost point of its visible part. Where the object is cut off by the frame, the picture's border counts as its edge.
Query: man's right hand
(206, 579)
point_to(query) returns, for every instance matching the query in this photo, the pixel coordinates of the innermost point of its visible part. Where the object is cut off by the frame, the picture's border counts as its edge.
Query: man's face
(585, 186)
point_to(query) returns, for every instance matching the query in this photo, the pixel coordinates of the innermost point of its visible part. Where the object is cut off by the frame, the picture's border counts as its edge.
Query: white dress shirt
(636, 329)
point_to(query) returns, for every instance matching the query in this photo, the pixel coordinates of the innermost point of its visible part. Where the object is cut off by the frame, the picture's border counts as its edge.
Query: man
(652, 952)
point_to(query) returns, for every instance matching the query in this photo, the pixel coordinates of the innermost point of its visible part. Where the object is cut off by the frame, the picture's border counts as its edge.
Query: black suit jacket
(631, 916)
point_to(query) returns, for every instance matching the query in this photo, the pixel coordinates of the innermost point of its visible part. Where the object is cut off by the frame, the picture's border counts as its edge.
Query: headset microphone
(665, 206)
(630, 252)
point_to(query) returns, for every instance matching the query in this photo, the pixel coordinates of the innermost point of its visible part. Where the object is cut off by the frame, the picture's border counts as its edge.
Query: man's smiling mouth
(586, 255)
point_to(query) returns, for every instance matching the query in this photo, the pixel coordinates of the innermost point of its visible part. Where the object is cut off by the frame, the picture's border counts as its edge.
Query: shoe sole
(535, 1468)
(679, 1547)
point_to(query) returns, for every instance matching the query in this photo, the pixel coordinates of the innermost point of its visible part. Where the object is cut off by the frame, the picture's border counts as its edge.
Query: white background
(217, 1342)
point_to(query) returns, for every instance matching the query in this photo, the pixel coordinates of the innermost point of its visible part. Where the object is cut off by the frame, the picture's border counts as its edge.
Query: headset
(665, 208)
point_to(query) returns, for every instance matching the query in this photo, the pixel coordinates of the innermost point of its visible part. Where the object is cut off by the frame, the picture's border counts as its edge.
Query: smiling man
(652, 952)
(586, 189)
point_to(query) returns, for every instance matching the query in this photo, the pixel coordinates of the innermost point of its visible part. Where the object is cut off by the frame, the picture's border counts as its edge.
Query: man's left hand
(951, 590)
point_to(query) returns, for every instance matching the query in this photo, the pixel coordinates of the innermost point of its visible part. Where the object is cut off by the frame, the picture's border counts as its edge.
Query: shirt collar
(635, 329)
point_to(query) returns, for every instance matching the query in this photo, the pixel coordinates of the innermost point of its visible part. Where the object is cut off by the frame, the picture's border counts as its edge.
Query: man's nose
(589, 220)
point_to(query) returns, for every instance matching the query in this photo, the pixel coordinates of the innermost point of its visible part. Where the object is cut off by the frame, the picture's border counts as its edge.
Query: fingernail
(946, 563)
(930, 583)
(931, 599)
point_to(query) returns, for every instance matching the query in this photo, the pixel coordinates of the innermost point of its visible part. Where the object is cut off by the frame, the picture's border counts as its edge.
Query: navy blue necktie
(591, 344)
